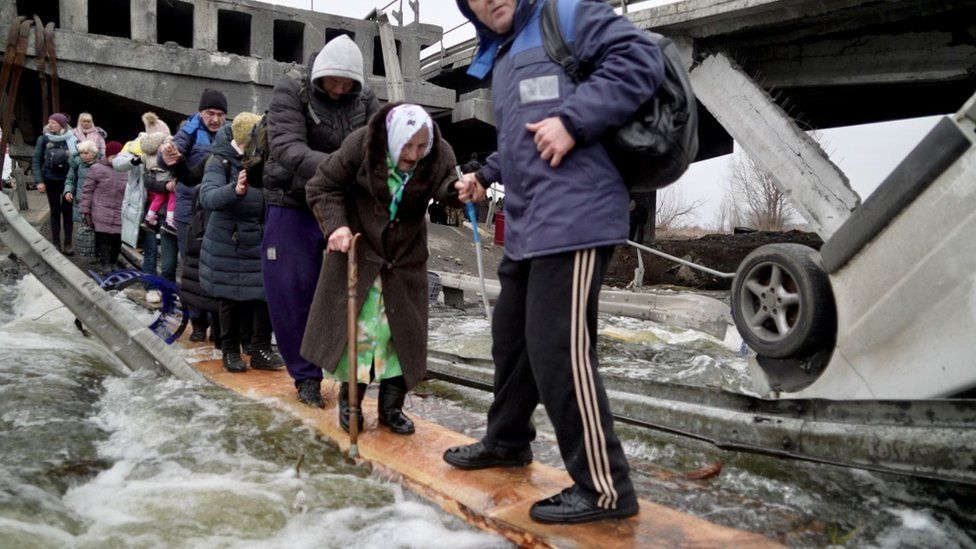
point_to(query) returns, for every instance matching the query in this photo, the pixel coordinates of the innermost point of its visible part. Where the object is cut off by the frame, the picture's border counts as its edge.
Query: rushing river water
(88, 459)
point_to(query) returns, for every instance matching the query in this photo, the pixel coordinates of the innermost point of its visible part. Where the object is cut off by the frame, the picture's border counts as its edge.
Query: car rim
(770, 302)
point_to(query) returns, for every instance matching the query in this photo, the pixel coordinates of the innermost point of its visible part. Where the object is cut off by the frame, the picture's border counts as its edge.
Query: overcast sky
(865, 153)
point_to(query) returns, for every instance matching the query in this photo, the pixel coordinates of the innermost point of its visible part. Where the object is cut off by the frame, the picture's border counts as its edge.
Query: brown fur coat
(350, 189)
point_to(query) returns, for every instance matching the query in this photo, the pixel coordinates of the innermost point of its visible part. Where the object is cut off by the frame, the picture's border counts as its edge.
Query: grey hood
(339, 57)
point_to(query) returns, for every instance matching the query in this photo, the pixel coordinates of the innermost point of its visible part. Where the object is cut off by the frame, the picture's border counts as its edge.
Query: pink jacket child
(155, 177)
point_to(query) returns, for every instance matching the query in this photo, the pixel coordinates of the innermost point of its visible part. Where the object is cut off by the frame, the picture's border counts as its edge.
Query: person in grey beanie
(311, 113)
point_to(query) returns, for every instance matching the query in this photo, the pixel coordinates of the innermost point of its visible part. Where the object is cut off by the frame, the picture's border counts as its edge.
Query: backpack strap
(555, 44)
(300, 75)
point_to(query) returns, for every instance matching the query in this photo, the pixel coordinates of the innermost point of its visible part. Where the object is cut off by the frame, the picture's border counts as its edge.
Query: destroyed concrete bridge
(764, 70)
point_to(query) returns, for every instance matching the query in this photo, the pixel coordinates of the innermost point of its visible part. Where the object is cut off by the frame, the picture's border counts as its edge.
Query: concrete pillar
(818, 188)
(205, 25)
(314, 39)
(143, 20)
(73, 14)
(262, 34)
(410, 58)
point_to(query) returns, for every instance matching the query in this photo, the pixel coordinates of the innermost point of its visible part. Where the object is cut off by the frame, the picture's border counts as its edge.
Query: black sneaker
(167, 228)
(148, 227)
(479, 456)
(266, 359)
(68, 249)
(198, 335)
(234, 363)
(570, 507)
(310, 392)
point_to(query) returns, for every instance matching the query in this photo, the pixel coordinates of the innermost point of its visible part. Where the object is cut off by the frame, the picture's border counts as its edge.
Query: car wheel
(782, 303)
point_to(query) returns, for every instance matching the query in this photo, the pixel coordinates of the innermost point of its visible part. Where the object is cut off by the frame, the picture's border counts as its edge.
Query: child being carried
(156, 177)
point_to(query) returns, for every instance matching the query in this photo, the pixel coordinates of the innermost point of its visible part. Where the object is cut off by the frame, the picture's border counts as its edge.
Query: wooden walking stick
(352, 313)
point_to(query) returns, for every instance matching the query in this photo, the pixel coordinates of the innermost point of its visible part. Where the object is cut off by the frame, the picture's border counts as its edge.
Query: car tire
(782, 302)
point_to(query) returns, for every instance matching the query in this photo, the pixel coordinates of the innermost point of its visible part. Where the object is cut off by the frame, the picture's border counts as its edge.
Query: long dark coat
(350, 189)
(230, 259)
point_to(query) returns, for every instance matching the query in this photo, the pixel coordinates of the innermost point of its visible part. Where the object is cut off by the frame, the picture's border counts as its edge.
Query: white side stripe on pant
(593, 436)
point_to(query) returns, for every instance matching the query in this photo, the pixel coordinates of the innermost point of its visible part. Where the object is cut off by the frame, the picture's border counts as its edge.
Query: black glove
(136, 160)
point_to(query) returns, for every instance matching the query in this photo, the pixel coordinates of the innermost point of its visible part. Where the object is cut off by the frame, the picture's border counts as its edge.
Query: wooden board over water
(495, 499)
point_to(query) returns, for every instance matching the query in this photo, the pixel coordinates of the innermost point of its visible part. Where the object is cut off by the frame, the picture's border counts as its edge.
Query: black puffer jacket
(298, 144)
(230, 260)
(191, 291)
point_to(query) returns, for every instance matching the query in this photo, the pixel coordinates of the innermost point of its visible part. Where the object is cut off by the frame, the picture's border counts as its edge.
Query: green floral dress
(373, 341)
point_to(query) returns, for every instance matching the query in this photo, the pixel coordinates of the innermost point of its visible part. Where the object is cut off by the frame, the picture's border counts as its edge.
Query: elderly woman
(86, 130)
(379, 183)
(78, 167)
(101, 206)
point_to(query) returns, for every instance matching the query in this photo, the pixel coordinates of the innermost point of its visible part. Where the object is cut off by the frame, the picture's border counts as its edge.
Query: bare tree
(754, 199)
(673, 210)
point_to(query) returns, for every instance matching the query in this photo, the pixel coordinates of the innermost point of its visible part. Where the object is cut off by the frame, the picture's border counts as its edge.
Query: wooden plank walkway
(496, 499)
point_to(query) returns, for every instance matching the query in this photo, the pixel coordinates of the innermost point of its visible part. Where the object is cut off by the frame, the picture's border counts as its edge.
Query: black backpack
(56, 158)
(655, 147)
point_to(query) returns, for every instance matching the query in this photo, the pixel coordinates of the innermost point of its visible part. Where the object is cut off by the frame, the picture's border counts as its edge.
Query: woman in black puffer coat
(230, 259)
(191, 290)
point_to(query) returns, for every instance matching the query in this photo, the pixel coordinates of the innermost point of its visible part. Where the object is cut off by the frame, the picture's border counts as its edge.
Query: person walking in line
(312, 111)
(101, 207)
(50, 168)
(87, 130)
(553, 165)
(378, 184)
(230, 259)
(184, 156)
(78, 166)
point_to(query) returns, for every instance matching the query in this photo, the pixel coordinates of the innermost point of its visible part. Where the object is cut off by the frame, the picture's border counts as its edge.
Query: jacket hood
(221, 144)
(489, 41)
(339, 57)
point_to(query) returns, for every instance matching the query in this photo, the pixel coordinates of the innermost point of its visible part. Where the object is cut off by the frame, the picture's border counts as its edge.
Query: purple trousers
(291, 258)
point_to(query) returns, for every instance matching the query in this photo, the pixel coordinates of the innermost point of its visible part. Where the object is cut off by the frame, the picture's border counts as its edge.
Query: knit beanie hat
(153, 124)
(241, 127)
(60, 118)
(112, 148)
(151, 142)
(213, 99)
(339, 57)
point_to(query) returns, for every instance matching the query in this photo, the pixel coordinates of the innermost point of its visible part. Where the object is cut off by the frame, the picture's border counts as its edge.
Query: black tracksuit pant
(244, 323)
(544, 349)
(62, 211)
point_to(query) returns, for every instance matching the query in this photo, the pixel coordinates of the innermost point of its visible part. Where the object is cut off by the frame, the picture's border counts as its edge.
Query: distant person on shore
(101, 207)
(230, 259)
(638, 220)
(87, 130)
(565, 211)
(311, 112)
(378, 184)
(50, 167)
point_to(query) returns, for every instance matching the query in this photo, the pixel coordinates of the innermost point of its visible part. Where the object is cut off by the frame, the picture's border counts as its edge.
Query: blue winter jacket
(230, 258)
(582, 203)
(193, 141)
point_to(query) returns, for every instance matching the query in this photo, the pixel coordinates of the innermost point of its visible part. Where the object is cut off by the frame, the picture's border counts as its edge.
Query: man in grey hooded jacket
(311, 113)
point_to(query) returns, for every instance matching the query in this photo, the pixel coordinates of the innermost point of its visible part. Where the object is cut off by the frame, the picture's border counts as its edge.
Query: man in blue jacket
(565, 210)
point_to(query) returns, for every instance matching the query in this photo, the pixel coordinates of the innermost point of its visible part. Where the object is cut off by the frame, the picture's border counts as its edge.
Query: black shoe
(570, 507)
(198, 335)
(479, 456)
(392, 394)
(309, 392)
(167, 228)
(148, 227)
(266, 359)
(234, 363)
(68, 249)
(344, 405)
